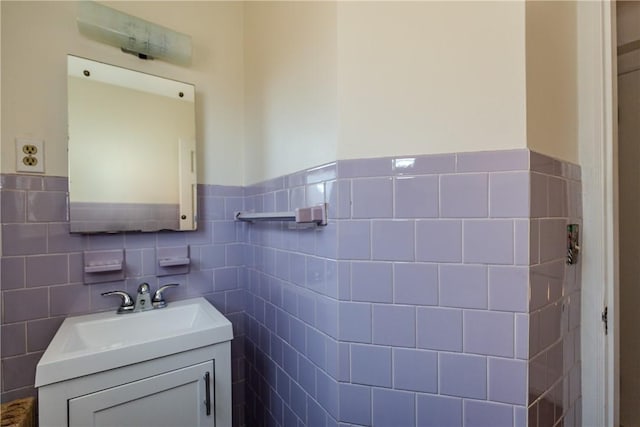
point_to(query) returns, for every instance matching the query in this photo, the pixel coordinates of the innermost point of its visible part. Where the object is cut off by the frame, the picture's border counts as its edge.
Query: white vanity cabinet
(91, 376)
(171, 399)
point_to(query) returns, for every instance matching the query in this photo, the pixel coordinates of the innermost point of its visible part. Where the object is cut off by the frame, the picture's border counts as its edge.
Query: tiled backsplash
(42, 269)
(411, 307)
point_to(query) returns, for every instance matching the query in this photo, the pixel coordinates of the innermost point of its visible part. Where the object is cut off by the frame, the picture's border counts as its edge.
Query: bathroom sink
(97, 342)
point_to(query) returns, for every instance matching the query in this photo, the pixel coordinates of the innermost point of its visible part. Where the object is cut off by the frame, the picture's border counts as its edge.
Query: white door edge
(598, 157)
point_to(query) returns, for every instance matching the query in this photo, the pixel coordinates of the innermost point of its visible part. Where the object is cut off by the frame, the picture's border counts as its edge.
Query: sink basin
(97, 342)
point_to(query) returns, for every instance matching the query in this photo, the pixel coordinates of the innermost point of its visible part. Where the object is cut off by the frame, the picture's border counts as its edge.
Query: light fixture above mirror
(133, 35)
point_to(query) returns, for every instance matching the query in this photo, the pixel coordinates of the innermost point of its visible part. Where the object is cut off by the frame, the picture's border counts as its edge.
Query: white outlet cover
(39, 155)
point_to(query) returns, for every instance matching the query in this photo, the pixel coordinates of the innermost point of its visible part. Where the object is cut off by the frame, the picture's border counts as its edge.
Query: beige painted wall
(290, 87)
(551, 61)
(430, 77)
(37, 36)
(320, 80)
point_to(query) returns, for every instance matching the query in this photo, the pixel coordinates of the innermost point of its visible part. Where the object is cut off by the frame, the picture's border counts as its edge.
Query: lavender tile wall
(42, 271)
(420, 282)
(433, 257)
(554, 351)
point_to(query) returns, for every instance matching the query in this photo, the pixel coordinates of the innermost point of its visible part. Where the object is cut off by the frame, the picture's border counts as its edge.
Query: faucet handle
(158, 297)
(127, 305)
(143, 288)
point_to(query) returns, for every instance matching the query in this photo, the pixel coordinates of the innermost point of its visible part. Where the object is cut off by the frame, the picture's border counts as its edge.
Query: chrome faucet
(144, 301)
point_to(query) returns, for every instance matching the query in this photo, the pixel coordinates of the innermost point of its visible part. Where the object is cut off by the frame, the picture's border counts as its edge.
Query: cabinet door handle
(207, 392)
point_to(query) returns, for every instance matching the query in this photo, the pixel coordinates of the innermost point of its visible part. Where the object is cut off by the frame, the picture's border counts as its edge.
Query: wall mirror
(131, 150)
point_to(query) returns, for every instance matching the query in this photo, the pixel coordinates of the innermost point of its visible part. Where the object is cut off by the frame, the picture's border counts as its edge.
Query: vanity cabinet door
(176, 398)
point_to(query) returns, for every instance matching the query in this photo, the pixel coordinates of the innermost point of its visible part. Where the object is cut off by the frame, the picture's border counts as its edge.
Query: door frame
(598, 148)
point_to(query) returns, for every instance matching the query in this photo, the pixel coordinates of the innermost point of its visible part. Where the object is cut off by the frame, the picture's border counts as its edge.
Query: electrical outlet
(29, 155)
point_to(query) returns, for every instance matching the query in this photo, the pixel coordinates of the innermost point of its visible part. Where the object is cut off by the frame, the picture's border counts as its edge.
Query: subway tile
(544, 164)
(553, 239)
(332, 347)
(297, 198)
(24, 239)
(558, 203)
(297, 268)
(420, 165)
(371, 365)
(299, 401)
(416, 197)
(269, 202)
(415, 284)
(509, 289)
(508, 381)
(438, 411)
(464, 196)
(393, 408)
(225, 279)
(488, 242)
(315, 274)
(439, 328)
(69, 299)
(344, 362)
(439, 241)
(224, 231)
(16, 311)
(13, 340)
(55, 183)
(307, 307)
(326, 244)
(306, 375)
(338, 194)
(522, 336)
(372, 198)
(22, 182)
(394, 325)
(19, 371)
(509, 195)
(488, 333)
(316, 416)
(47, 270)
(372, 282)
(61, 240)
(359, 168)
(327, 393)
(316, 347)
(354, 240)
(12, 273)
(41, 332)
(539, 196)
(521, 244)
(14, 207)
(315, 194)
(327, 315)
(534, 244)
(520, 416)
(321, 173)
(550, 324)
(415, 370)
(199, 283)
(463, 286)
(489, 161)
(392, 240)
(105, 241)
(46, 206)
(355, 404)
(463, 375)
(483, 414)
(141, 240)
(355, 322)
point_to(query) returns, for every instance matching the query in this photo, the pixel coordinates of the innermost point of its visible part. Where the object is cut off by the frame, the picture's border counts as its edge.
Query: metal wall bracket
(308, 215)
